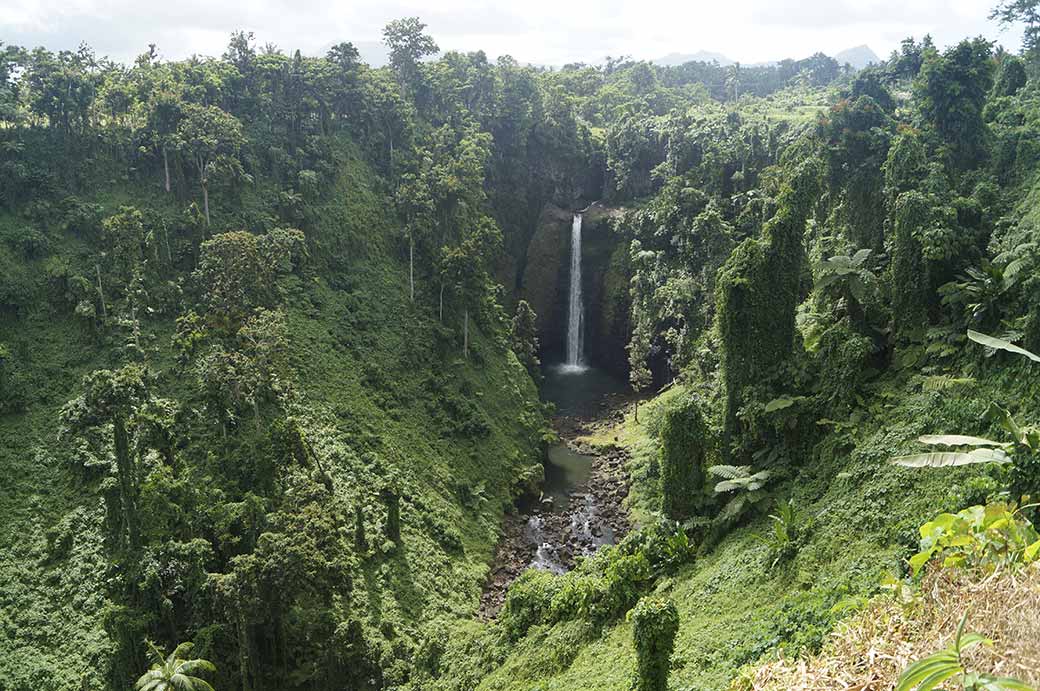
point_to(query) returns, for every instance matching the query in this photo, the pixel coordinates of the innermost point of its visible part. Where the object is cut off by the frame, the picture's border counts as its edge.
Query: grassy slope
(382, 384)
(734, 608)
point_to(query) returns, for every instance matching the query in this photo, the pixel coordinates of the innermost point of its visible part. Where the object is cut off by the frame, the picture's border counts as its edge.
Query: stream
(580, 507)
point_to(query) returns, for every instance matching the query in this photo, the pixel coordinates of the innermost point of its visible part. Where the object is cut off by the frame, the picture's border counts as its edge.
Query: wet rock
(551, 537)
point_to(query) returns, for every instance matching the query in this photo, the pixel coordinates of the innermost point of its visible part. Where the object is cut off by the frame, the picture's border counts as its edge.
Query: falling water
(575, 308)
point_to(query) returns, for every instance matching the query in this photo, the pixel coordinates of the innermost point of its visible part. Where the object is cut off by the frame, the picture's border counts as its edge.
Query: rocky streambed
(572, 520)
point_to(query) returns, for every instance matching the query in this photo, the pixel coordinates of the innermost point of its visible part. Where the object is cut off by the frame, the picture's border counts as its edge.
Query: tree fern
(175, 672)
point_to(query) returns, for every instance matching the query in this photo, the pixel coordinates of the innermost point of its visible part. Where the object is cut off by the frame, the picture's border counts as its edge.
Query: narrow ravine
(581, 504)
(580, 507)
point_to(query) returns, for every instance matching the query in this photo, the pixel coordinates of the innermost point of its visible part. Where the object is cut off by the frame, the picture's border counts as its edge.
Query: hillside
(447, 374)
(373, 374)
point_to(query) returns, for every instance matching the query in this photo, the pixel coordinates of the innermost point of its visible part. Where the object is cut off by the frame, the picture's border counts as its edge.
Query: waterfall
(575, 308)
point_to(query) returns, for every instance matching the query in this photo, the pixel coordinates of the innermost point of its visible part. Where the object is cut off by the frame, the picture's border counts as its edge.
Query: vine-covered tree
(524, 338)
(112, 399)
(953, 87)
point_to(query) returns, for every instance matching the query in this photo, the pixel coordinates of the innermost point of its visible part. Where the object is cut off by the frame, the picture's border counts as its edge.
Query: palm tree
(175, 672)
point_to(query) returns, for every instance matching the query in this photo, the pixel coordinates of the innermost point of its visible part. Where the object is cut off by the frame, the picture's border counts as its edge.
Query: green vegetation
(684, 448)
(262, 400)
(174, 672)
(654, 625)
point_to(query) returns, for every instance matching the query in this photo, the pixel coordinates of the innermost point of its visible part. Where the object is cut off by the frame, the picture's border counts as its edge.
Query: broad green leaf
(1031, 552)
(951, 458)
(860, 256)
(1005, 684)
(998, 524)
(941, 522)
(1001, 344)
(970, 640)
(916, 674)
(918, 561)
(957, 440)
(960, 541)
(826, 281)
(779, 404)
(1012, 269)
(730, 472)
(939, 677)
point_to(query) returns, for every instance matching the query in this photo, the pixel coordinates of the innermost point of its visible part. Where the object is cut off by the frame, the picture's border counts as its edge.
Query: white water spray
(575, 308)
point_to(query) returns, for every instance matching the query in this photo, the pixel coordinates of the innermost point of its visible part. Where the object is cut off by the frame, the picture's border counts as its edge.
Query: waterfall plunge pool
(578, 391)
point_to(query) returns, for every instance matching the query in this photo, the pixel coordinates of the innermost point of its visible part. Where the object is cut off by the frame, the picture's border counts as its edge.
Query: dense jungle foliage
(269, 383)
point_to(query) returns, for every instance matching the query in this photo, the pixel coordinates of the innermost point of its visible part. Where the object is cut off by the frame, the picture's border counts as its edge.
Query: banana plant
(948, 665)
(849, 270)
(967, 450)
(978, 293)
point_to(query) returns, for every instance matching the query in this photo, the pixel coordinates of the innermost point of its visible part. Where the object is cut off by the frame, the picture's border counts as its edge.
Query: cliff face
(546, 277)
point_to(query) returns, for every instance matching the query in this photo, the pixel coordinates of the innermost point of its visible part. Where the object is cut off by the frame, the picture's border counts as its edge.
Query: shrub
(654, 625)
(684, 445)
(579, 596)
(844, 359)
(986, 537)
(665, 545)
(528, 600)
(623, 583)
(790, 528)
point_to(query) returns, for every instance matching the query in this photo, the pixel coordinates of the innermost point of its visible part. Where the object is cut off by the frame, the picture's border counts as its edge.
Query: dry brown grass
(869, 651)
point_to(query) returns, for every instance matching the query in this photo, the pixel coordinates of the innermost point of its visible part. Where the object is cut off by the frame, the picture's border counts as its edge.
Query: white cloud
(539, 31)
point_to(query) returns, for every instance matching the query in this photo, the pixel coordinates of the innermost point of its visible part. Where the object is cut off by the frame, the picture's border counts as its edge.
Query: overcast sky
(551, 32)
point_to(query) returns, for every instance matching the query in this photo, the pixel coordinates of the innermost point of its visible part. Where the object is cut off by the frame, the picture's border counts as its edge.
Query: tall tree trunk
(205, 201)
(166, 168)
(243, 649)
(101, 293)
(465, 333)
(440, 308)
(411, 266)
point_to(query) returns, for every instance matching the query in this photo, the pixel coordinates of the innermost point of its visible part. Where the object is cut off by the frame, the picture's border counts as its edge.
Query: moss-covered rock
(543, 283)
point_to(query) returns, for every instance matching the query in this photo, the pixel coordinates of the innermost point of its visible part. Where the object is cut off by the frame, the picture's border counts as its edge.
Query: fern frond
(730, 472)
(943, 382)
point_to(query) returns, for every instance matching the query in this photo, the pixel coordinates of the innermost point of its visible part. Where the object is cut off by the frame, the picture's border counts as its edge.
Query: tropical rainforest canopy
(271, 334)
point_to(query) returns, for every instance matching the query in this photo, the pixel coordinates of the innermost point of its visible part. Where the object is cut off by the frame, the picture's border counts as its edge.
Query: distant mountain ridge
(858, 56)
(374, 54)
(673, 59)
